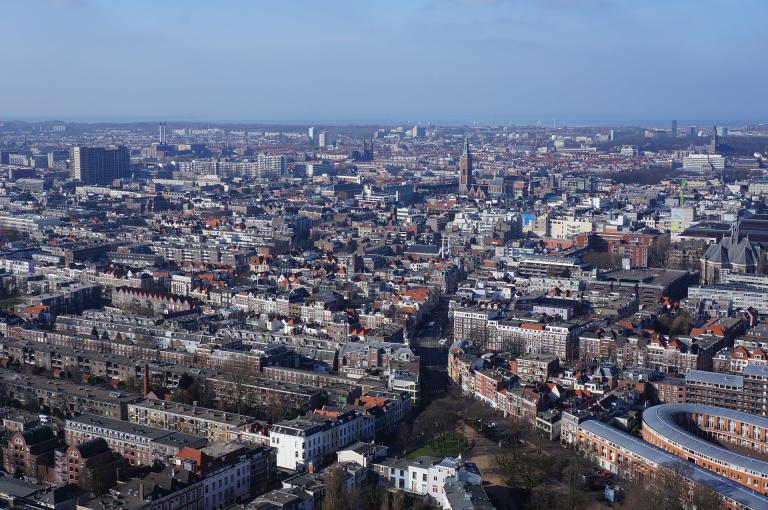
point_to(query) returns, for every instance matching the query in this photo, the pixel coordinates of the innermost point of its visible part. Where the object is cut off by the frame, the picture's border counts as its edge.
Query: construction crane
(683, 184)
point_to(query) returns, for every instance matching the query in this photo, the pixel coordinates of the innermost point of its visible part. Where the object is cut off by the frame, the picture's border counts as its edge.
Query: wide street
(434, 356)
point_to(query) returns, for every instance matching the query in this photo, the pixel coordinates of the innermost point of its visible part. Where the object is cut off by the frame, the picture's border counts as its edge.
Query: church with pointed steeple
(467, 186)
(729, 254)
(465, 170)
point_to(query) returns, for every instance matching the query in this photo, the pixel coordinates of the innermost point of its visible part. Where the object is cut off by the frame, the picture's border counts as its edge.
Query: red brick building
(670, 390)
(30, 452)
(92, 465)
(631, 245)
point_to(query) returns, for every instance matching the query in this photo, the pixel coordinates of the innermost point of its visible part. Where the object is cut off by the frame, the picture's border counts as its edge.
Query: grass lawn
(9, 302)
(450, 445)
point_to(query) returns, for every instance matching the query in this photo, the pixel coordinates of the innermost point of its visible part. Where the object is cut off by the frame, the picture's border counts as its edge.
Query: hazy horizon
(683, 124)
(449, 62)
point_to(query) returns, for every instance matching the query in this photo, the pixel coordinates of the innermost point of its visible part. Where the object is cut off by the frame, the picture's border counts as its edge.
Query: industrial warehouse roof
(661, 419)
(732, 490)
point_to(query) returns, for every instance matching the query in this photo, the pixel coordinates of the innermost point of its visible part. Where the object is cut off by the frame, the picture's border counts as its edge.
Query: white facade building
(428, 475)
(703, 162)
(303, 442)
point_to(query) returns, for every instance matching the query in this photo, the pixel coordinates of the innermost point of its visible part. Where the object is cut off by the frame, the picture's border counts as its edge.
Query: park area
(451, 444)
(520, 469)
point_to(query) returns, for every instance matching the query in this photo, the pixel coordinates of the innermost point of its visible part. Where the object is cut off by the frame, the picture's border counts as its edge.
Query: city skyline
(554, 62)
(403, 255)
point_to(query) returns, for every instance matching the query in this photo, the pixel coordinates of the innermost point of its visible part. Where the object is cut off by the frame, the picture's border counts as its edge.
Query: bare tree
(658, 254)
(277, 409)
(237, 374)
(574, 497)
(403, 436)
(704, 498)
(385, 501)
(667, 489)
(542, 499)
(398, 501)
(334, 498)
(521, 468)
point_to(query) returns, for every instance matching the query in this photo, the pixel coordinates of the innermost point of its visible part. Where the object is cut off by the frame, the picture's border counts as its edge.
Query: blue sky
(442, 61)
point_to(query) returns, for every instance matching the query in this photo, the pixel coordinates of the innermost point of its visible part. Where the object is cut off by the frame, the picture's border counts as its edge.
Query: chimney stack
(146, 379)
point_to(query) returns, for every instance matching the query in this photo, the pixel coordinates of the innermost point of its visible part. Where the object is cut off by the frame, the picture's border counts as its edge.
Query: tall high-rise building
(713, 141)
(312, 134)
(99, 165)
(465, 169)
(418, 132)
(163, 138)
(692, 131)
(271, 166)
(674, 129)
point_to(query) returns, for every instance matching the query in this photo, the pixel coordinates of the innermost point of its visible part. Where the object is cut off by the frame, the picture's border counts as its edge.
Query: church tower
(465, 170)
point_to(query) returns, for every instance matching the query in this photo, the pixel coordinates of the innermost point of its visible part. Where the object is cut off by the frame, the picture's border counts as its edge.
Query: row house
(523, 403)
(156, 301)
(298, 376)
(232, 473)
(139, 444)
(534, 367)
(91, 363)
(630, 457)
(387, 408)
(427, 476)
(488, 385)
(496, 388)
(259, 391)
(463, 371)
(681, 354)
(368, 355)
(630, 351)
(199, 256)
(66, 397)
(733, 360)
(111, 278)
(232, 359)
(560, 339)
(304, 442)
(170, 488)
(597, 347)
(193, 420)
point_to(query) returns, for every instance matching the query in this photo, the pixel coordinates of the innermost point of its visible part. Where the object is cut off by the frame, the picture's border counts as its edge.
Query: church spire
(465, 170)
